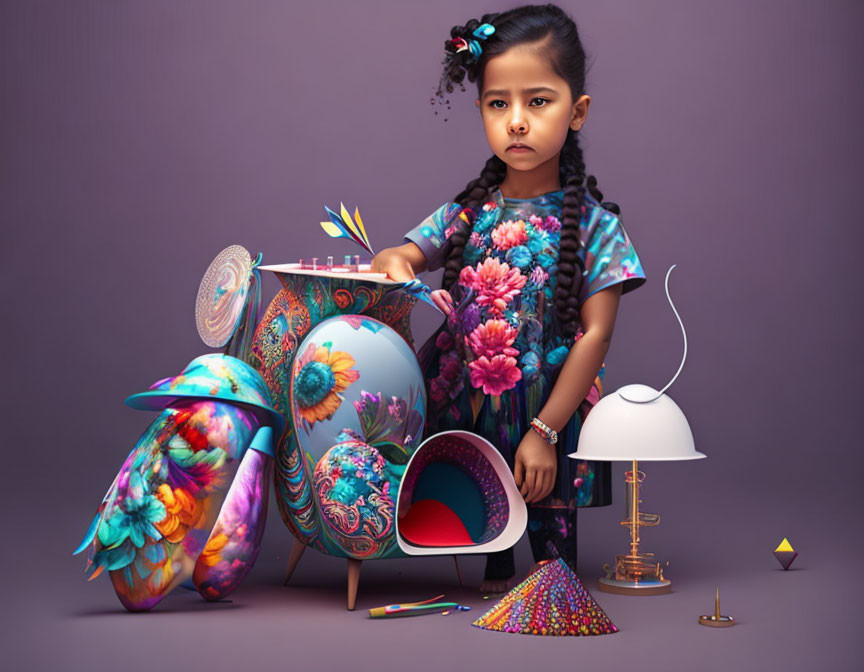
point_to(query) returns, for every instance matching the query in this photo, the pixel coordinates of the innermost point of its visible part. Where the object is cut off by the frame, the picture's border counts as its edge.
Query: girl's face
(527, 108)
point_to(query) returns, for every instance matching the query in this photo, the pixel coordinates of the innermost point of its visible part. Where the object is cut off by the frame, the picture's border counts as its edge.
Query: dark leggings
(552, 533)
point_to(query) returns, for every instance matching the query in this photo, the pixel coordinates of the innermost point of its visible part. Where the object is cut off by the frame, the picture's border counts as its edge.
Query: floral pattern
(156, 518)
(182, 511)
(491, 338)
(494, 374)
(321, 378)
(495, 282)
(508, 234)
(516, 254)
(502, 316)
(491, 366)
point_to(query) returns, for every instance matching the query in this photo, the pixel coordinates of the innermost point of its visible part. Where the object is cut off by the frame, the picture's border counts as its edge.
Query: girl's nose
(517, 124)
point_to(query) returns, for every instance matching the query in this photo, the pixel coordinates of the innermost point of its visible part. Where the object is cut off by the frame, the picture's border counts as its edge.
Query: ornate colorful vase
(335, 350)
(337, 515)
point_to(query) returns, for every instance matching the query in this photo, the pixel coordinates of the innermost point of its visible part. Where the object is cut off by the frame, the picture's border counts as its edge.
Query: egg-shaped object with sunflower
(358, 407)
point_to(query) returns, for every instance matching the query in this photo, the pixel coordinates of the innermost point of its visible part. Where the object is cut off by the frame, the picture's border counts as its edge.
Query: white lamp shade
(619, 427)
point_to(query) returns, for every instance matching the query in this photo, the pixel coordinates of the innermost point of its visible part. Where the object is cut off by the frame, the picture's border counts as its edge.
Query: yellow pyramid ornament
(785, 554)
(784, 546)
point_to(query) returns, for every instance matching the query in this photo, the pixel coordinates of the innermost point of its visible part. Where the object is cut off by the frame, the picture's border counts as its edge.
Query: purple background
(137, 139)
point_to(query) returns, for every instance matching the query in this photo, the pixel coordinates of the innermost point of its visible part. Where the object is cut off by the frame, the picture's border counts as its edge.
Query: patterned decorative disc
(222, 295)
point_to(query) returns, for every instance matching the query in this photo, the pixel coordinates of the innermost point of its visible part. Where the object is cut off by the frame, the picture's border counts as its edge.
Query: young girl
(534, 266)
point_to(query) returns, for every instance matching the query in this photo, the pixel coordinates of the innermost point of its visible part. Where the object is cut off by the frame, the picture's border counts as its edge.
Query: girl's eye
(500, 104)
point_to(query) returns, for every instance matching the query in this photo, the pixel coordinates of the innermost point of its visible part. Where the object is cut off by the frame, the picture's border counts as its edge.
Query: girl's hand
(400, 263)
(442, 299)
(535, 467)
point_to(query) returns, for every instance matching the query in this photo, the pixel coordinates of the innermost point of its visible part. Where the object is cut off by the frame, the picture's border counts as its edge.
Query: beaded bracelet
(548, 434)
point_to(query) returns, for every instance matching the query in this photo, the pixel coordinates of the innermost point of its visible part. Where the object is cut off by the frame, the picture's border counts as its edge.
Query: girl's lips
(519, 148)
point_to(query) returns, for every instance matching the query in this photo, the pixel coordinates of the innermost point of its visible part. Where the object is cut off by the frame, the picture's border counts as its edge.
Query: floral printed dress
(491, 365)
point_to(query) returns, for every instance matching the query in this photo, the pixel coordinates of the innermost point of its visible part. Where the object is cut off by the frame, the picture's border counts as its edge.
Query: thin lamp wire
(683, 359)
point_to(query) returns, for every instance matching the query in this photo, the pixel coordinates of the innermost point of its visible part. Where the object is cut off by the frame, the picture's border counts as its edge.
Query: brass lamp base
(636, 572)
(657, 587)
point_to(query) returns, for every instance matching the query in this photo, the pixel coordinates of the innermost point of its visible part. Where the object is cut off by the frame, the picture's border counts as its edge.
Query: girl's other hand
(400, 263)
(442, 299)
(535, 466)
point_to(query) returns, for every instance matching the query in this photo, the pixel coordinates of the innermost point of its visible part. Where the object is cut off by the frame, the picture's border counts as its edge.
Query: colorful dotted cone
(785, 554)
(552, 601)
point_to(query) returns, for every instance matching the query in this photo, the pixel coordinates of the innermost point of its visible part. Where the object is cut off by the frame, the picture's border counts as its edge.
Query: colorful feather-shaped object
(342, 226)
(163, 520)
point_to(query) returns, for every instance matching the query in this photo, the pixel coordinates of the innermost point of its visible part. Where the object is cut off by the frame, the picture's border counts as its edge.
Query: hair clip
(482, 32)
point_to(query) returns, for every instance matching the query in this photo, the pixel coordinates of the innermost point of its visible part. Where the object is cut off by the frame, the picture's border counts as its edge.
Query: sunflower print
(321, 377)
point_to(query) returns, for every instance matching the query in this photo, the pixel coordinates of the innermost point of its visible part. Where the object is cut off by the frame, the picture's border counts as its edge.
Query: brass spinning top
(717, 620)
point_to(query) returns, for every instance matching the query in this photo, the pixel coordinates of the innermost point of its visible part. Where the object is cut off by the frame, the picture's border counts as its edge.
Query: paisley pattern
(356, 498)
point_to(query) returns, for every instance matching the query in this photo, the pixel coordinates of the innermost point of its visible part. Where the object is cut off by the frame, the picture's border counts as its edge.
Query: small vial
(329, 263)
(348, 261)
(302, 263)
(357, 262)
(314, 263)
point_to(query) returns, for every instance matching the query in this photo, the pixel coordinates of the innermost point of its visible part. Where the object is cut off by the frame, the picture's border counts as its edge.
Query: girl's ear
(580, 112)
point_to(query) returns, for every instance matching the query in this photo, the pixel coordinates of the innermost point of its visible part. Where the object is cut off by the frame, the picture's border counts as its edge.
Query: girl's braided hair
(522, 25)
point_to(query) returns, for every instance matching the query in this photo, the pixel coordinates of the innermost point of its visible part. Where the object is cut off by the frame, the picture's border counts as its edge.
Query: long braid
(570, 264)
(473, 196)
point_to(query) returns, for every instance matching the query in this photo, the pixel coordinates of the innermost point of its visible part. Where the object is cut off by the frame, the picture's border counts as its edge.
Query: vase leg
(458, 569)
(297, 549)
(353, 580)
